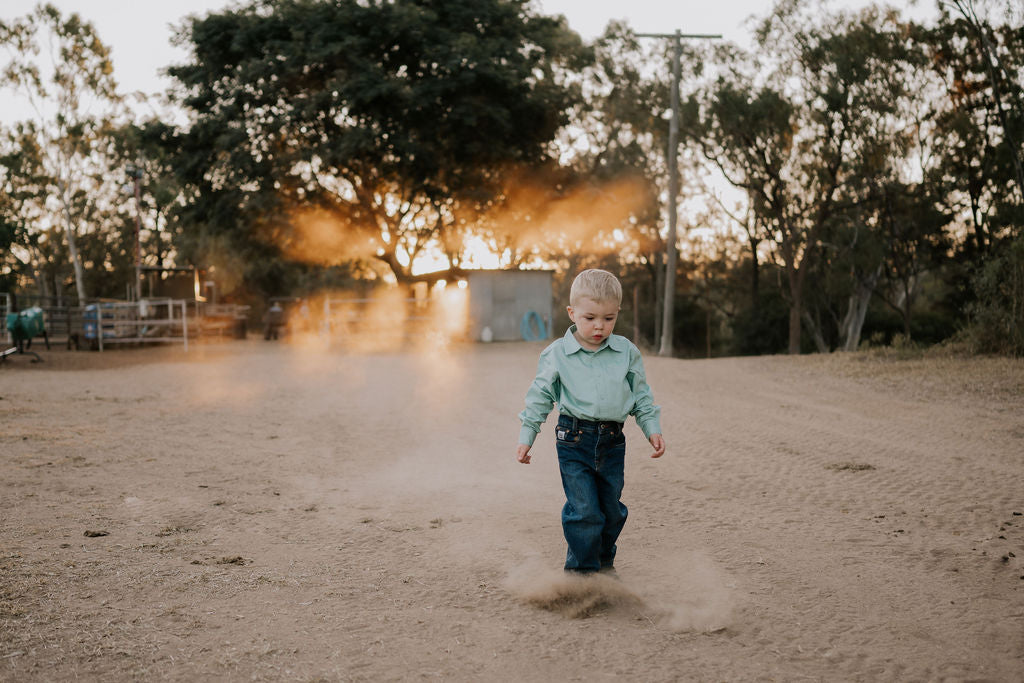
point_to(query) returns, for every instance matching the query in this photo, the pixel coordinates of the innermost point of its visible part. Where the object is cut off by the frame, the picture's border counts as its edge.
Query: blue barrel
(92, 321)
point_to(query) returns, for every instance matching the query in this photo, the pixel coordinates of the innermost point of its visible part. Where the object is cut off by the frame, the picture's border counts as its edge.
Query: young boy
(596, 379)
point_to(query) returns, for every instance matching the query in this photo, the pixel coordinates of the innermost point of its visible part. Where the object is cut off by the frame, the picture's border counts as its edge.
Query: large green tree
(391, 122)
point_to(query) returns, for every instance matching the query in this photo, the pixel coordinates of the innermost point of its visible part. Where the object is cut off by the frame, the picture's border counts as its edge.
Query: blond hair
(599, 285)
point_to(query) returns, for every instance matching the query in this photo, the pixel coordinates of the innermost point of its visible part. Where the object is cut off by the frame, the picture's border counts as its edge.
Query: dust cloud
(322, 237)
(574, 596)
(533, 215)
(688, 594)
(692, 593)
(533, 212)
(388, 320)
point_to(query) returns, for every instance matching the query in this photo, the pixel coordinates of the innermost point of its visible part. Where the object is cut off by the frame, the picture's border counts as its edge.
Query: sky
(139, 31)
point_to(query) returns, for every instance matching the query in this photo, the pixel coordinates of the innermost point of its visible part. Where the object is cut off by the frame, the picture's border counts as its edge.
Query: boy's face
(594, 320)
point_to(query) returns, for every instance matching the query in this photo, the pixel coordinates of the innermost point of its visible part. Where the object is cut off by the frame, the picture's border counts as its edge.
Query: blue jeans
(591, 460)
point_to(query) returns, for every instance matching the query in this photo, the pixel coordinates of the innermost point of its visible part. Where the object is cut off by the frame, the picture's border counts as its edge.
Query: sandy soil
(272, 513)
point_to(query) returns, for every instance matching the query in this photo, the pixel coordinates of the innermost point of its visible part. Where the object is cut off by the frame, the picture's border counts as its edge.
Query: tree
(747, 132)
(998, 312)
(979, 123)
(72, 97)
(387, 124)
(618, 144)
(150, 147)
(976, 62)
(914, 237)
(803, 137)
(1004, 85)
(20, 184)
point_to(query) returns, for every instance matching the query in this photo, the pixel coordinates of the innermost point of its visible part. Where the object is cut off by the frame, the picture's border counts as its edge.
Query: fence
(434, 315)
(223, 320)
(375, 320)
(105, 323)
(147, 320)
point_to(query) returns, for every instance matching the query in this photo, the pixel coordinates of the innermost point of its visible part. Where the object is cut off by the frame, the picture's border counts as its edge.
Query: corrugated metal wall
(501, 299)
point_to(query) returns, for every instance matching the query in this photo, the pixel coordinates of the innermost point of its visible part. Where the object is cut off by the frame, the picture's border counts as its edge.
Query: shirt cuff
(527, 435)
(651, 427)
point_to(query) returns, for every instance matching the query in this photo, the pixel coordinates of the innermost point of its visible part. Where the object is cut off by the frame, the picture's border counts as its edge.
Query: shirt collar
(572, 345)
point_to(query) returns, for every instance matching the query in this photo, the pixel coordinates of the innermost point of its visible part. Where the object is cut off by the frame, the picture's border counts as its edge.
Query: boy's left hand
(658, 441)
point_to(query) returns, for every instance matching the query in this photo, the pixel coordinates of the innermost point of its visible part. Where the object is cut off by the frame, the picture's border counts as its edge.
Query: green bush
(997, 315)
(932, 327)
(882, 325)
(762, 330)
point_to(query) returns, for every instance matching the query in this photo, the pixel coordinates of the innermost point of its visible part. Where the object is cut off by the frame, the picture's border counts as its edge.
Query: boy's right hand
(523, 454)
(658, 441)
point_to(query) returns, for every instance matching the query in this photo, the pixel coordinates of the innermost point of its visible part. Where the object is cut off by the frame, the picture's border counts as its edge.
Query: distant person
(273, 320)
(597, 380)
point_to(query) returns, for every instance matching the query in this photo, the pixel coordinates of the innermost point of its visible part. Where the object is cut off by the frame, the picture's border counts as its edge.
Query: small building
(513, 305)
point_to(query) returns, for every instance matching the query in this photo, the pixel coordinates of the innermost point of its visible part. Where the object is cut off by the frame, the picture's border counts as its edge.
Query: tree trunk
(909, 294)
(794, 328)
(795, 311)
(401, 273)
(76, 261)
(857, 309)
(158, 247)
(814, 327)
(43, 280)
(755, 276)
(707, 330)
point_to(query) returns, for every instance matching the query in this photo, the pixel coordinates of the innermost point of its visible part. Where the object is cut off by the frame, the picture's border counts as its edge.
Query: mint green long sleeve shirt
(606, 384)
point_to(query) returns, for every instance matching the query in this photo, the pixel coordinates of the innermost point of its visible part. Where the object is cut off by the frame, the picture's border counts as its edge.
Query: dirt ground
(263, 511)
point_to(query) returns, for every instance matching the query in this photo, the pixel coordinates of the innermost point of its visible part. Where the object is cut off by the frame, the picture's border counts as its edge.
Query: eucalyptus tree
(978, 50)
(1000, 51)
(889, 230)
(916, 239)
(802, 128)
(746, 130)
(62, 69)
(979, 122)
(388, 122)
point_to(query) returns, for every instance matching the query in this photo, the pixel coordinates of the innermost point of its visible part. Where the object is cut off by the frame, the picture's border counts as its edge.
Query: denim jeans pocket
(567, 435)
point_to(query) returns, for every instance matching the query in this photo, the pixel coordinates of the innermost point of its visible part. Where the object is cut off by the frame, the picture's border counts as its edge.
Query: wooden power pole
(672, 255)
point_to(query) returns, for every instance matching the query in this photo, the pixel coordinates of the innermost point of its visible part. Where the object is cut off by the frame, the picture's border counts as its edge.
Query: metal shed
(513, 304)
